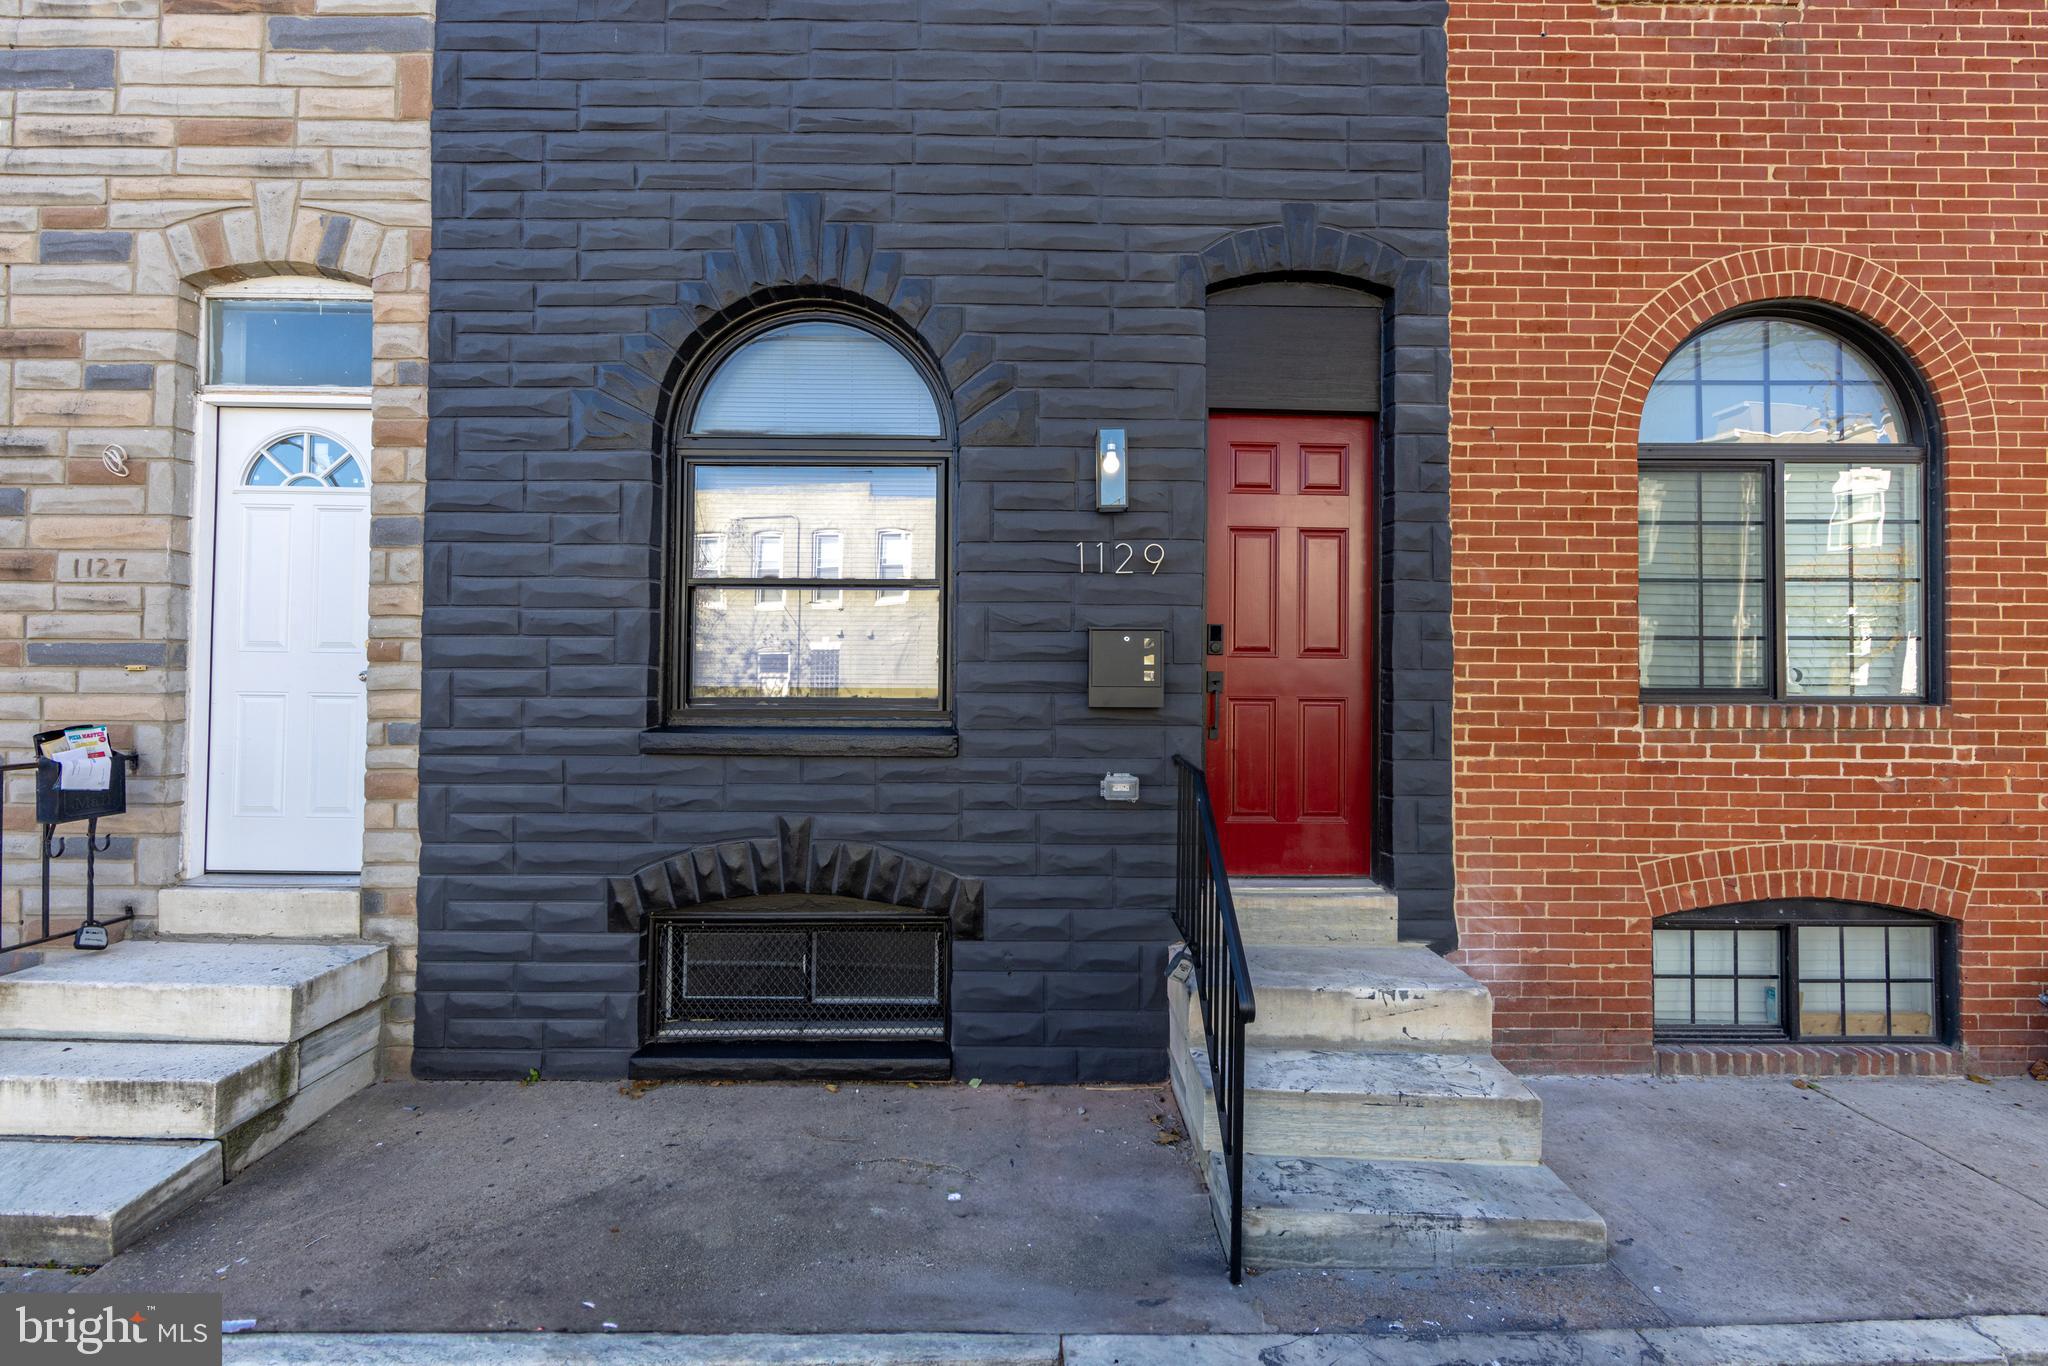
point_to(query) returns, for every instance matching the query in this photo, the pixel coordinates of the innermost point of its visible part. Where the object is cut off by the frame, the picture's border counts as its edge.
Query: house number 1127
(1119, 557)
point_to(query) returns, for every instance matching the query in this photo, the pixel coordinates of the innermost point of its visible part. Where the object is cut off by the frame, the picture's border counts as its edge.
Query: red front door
(1290, 758)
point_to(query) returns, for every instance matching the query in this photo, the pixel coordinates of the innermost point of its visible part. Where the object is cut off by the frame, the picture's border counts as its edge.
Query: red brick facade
(1621, 175)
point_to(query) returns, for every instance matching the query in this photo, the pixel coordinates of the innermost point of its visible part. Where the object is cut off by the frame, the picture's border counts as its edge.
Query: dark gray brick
(291, 33)
(84, 248)
(133, 376)
(93, 652)
(56, 68)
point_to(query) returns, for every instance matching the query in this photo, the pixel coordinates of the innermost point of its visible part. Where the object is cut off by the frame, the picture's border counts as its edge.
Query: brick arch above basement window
(1868, 873)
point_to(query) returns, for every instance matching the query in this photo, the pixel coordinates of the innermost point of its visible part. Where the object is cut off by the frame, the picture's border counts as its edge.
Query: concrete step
(1391, 1216)
(1420, 1107)
(121, 1088)
(193, 991)
(1315, 912)
(77, 1204)
(1368, 998)
(276, 910)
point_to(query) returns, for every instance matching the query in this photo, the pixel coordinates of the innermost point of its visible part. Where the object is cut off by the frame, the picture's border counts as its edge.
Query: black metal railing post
(1207, 920)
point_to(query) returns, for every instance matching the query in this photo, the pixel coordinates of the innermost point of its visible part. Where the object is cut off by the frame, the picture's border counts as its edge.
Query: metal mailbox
(1127, 667)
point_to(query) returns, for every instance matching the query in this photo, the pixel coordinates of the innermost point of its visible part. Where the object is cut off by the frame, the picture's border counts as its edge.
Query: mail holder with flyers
(57, 805)
(80, 776)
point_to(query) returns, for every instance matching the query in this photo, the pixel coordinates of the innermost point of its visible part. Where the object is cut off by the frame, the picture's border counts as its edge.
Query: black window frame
(1786, 917)
(1919, 445)
(818, 450)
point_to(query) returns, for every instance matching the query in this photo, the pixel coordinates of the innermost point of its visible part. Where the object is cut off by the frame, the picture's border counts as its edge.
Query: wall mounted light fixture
(1112, 471)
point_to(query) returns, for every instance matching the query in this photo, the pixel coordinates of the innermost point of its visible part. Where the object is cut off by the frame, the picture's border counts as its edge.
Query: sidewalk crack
(1915, 1138)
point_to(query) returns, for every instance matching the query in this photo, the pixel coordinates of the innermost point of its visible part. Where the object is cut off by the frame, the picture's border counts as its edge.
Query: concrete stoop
(1379, 1131)
(134, 1080)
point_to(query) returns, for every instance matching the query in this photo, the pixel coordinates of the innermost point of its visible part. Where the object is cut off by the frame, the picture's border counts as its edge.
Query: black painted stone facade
(1040, 192)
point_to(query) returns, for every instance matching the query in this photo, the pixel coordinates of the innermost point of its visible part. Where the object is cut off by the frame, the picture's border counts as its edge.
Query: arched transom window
(304, 460)
(814, 517)
(1782, 520)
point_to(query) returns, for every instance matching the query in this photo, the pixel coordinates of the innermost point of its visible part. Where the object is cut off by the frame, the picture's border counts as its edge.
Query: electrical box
(1127, 667)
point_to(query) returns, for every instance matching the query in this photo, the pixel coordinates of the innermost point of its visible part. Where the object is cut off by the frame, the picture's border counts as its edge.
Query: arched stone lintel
(800, 258)
(275, 238)
(791, 861)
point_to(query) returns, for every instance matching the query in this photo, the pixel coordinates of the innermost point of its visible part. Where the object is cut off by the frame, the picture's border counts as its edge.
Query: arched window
(1783, 517)
(1804, 969)
(815, 378)
(819, 444)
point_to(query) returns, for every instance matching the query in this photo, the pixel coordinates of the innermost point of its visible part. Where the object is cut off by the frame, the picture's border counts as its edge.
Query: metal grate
(753, 979)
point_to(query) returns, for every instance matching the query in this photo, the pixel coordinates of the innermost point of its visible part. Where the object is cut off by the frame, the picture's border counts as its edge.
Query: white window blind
(817, 378)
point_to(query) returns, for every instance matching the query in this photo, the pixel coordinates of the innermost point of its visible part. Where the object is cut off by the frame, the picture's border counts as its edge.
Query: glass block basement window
(1801, 970)
(775, 978)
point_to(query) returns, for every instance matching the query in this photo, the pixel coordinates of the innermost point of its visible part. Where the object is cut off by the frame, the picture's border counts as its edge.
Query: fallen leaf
(2039, 1071)
(832, 1086)
(1803, 1084)
(1981, 1081)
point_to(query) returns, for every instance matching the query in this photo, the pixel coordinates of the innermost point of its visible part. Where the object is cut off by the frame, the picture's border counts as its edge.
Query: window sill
(880, 741)
(1875, 1059)
(1731, 719)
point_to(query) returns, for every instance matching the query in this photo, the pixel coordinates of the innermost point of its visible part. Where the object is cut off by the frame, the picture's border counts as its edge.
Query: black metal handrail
(1207, 921)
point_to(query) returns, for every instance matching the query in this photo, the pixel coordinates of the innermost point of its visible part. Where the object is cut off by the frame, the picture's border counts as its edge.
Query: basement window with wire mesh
(1803, 970)
(777, 977)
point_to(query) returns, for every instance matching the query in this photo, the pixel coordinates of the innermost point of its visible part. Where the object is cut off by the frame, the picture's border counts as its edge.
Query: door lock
(363, 677)
(1215, 637)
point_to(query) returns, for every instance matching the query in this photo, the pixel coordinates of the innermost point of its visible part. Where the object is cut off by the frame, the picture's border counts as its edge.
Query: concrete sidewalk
(568, 1207)
(1992, 1341)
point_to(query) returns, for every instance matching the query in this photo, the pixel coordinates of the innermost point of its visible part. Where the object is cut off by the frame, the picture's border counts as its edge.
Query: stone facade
(150, 149)
(1037, 194)
(1625, 175)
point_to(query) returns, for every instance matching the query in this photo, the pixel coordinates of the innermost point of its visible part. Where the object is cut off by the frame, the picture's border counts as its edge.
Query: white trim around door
(278, 705)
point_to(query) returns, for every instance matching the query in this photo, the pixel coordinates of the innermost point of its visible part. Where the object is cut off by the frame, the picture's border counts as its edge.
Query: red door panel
(1288, 550)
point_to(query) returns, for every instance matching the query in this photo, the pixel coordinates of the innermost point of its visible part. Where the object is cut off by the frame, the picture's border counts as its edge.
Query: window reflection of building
(834, 522)
(1731, 429)
(842, 523)
(768, 565)
(827, 562)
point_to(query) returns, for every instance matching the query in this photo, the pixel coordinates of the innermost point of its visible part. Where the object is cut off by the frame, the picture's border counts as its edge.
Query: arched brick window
(1785, 518)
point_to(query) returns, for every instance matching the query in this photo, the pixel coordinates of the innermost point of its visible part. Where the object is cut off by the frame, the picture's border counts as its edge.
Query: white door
(291, 602)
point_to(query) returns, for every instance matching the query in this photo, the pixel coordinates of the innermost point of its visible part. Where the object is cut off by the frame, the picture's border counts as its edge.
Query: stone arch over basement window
(793, 863)
(1412, 825)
